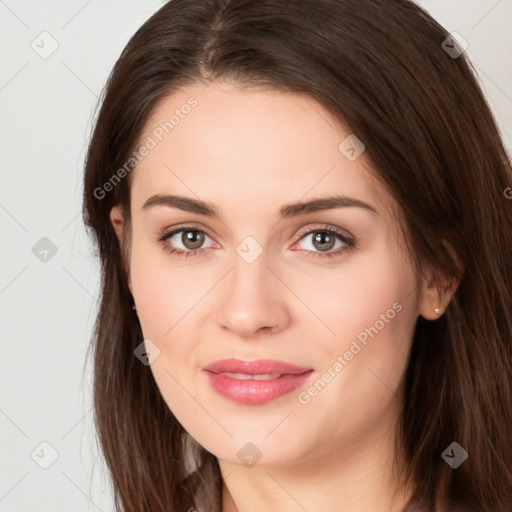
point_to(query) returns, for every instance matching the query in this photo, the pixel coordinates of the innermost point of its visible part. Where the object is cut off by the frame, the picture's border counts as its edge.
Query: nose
(252, 300)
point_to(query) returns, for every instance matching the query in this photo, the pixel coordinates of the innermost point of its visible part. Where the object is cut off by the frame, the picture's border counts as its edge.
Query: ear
(117, 219)
(118, 222)
(436, 293)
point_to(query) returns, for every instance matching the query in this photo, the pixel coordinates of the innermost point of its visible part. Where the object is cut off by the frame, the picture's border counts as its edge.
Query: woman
(304, 231)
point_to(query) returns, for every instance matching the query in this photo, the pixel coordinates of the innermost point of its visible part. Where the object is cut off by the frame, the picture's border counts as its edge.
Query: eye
(189, 237)
(323, 240)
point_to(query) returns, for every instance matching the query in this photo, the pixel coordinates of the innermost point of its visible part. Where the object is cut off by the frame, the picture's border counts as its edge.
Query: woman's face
(267, 272)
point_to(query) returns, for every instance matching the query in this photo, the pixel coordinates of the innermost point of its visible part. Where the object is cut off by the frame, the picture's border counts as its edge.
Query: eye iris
(321, 237)
(192, 239)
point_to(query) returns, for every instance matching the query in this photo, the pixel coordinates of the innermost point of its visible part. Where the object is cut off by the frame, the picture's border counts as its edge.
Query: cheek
(166, 292)
(365, 293)
(372, 309)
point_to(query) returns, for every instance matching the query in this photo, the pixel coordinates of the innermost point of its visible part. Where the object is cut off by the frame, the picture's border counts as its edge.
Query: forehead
(236, 145)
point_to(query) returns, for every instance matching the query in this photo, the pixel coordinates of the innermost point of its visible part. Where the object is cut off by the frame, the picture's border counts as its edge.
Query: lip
(258, 366)
(250, 391)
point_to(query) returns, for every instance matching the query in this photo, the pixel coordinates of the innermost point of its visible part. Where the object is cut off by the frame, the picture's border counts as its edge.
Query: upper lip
(256, 367)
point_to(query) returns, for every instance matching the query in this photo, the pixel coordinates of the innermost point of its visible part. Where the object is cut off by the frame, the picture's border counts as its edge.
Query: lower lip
(255, 392)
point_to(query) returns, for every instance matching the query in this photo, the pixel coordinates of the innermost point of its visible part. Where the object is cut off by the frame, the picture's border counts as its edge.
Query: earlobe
(430, 306)
(435, 295)
(437, 290)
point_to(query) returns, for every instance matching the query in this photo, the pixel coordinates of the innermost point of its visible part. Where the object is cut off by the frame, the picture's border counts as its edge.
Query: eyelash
(350, 243)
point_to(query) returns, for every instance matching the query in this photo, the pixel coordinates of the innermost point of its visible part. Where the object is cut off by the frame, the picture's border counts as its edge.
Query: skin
(249, 152)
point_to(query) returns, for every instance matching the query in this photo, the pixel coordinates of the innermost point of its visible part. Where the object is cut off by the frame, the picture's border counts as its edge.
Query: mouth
(254, 382)
(245, 376)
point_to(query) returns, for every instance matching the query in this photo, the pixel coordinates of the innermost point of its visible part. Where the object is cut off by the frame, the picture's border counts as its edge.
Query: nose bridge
(250, 272)
(251, 298)
(249, 283)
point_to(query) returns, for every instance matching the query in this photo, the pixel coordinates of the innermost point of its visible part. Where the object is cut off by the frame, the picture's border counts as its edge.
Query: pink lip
(251, 391)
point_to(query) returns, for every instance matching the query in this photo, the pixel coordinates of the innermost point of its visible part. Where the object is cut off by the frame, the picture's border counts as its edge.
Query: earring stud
(437, 311)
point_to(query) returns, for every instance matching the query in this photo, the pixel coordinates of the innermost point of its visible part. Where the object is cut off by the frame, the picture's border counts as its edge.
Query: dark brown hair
(380, 67)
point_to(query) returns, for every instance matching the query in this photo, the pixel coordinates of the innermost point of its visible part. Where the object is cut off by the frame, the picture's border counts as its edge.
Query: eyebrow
(287, 211)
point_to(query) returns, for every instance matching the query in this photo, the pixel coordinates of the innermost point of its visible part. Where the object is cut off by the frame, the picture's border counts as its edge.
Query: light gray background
(47, 309)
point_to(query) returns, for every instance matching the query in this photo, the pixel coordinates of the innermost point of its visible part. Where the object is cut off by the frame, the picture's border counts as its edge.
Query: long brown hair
(384, 69)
